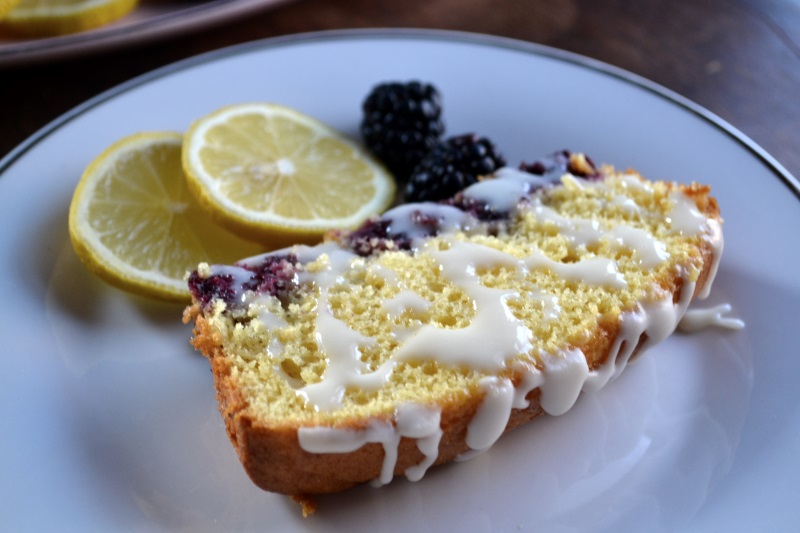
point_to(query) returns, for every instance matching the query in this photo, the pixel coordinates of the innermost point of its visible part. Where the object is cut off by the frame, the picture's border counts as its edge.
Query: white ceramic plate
(151, 20)
(109, 417)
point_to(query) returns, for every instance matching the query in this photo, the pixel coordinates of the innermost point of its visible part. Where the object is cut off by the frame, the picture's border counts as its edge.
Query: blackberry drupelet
(452, 166)
(401, 123)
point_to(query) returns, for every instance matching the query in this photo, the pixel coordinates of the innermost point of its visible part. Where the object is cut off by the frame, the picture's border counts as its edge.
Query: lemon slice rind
(266, 225)
(40, 18)
(6, 6)
(167, 196)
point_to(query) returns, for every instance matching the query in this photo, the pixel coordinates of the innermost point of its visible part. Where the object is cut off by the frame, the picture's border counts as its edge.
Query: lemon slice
(133, 221)
(279, 176)
(6, 6)
(44, 18)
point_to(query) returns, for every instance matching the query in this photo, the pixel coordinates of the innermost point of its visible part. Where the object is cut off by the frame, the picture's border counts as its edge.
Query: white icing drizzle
(697, 319)
(580, 232)
(656, 319)
(685, 218)
(471, 346)
(647, 250)
(560, 377)
(239, 276)
(717, 244)
(532, 378)
(424, 424)
(564, 377)
(631, 181)
(342, 347)
(273, 323)
(403, 220)
(511, 173)
(410, 420)
(380, 271)
(492, 416)
(594, 271)
(503, 193)
(405, 300)
(551, 309)
(340, 344)
(626, 204)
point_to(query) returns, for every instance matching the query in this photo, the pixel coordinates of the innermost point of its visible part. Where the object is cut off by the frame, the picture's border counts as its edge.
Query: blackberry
(401, 123)
(451, 166)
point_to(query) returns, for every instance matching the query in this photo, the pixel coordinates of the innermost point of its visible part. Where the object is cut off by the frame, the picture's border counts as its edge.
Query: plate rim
(21, 52)
(775, 167)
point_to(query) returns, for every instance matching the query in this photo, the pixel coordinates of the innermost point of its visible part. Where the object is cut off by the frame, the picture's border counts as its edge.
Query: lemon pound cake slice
(425, 334)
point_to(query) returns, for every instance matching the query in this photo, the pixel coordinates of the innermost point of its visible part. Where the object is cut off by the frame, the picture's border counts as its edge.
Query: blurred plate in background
(152, 19)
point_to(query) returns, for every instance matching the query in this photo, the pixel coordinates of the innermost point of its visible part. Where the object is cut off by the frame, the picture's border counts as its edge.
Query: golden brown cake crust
(275, 461)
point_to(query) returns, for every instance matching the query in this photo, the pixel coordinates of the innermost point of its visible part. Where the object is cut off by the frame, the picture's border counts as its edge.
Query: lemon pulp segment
(133, 221)
(278, 175)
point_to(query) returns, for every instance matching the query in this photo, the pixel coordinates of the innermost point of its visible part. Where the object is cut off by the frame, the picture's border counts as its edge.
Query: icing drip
(697, 319)
(532, 378)
(492, 416)
(410, 420)
(685, 218)
(656, 320)
(564, 376)
(717, 244)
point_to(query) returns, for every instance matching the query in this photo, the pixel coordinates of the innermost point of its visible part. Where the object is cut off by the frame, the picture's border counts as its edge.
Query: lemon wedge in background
(278, 176)
(133, 221)
(45, 18)
(6, 6)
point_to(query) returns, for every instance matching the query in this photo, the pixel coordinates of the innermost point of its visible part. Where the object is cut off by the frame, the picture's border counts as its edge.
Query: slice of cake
(427, 333)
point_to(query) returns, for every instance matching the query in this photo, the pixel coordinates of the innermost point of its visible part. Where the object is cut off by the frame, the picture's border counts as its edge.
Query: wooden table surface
(740, 59)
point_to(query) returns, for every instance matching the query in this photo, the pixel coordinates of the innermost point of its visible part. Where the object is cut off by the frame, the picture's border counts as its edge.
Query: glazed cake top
(425, 303)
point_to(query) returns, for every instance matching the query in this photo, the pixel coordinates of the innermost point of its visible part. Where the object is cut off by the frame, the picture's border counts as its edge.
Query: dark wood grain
(740, 59)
